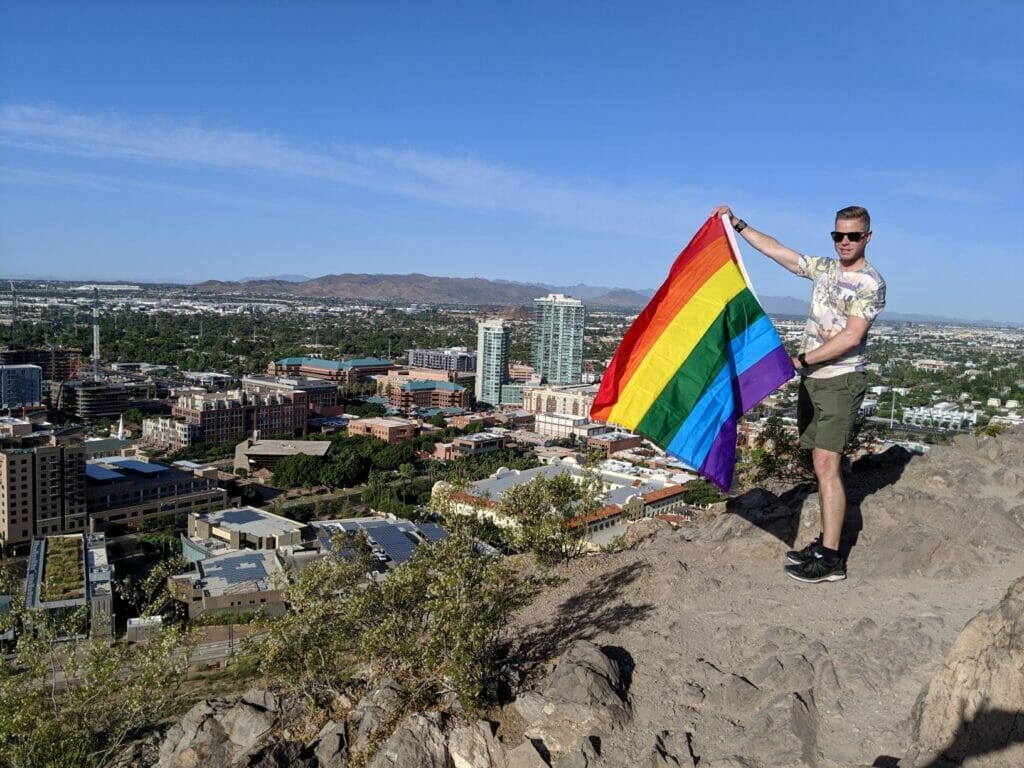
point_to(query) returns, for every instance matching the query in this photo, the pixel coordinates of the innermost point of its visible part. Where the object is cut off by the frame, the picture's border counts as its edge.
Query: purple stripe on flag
(721, 459)
(763, 378)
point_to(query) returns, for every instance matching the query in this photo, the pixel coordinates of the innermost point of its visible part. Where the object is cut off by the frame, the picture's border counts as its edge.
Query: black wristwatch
(740, 225)
(802, 357)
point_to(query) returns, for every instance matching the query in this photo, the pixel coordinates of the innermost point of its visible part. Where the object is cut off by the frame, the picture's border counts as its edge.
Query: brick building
(426, 394)
(42, 488)
(338, 371)
(229, 416)
(132, 493)
(389, 430)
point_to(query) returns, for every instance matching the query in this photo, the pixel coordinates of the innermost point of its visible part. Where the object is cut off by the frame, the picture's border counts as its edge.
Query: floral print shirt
(838, 295)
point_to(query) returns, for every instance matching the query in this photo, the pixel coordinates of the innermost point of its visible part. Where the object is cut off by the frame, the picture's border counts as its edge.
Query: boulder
(375, 713)
(582, 697)
(473, 745)
(583, 754)
(418, 741)
(214, 733)
(972, 711)
(526, 756)
(331, 746)
(283, 754)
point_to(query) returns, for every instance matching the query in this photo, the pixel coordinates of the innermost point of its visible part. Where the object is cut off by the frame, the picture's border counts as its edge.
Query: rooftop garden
(63, 569)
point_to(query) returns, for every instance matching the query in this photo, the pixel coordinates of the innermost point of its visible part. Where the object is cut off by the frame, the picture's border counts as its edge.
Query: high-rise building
(57, 364)
(42, 488)
(20, 385)
(558, 339)
(91, 400)
(457, 359)
(493, 342)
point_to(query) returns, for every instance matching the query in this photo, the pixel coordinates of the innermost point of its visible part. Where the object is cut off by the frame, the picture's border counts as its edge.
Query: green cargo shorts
(827, 409)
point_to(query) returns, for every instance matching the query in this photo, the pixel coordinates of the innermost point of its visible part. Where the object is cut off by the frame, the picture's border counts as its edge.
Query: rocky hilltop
(692, 648)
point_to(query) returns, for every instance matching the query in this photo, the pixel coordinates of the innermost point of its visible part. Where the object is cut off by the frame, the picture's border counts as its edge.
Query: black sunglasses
(837, 237)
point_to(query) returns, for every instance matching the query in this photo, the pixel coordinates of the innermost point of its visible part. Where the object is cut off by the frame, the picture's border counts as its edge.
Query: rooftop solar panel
(138, 466)
(96, 472)
(236, 569)
(396, 543)
(433, 531)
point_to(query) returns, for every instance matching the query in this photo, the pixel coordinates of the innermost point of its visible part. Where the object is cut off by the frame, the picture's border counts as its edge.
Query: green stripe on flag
(677, 399)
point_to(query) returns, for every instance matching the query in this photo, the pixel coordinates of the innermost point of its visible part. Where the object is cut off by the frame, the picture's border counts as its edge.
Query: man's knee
(826, 463)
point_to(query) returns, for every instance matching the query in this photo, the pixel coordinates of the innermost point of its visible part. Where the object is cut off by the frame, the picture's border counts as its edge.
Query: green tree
(133, 416)
(437, 622)
(553, 513)
(345, 469)
(298, 470)
(777, 454)
(311, 648)
(701, 491)
(149, 596)
(407, 471)
(72, 704)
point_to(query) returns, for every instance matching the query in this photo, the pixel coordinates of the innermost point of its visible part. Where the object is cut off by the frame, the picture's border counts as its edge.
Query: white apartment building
(558, 339)
(493, 342)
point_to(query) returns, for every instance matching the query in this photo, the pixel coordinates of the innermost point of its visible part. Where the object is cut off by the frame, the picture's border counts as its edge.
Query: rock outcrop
(972, 712)
(218, 732)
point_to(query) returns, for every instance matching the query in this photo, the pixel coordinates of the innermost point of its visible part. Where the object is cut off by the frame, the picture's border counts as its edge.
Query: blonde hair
(854, 212)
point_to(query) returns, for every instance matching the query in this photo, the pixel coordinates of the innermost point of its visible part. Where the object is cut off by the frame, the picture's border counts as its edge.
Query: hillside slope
(736, 664)
(693, 648)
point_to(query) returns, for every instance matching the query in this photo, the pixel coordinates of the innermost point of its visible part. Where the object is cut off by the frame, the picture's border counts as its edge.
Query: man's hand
(733, 219)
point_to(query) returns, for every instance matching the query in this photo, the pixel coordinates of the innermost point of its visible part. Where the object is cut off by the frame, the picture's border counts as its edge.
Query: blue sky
(555, 142)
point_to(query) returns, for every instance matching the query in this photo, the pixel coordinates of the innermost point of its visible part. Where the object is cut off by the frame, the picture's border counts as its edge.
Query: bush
(435, 623)
(107, 691)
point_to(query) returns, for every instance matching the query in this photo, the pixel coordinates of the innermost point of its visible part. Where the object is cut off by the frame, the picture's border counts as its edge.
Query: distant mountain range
(425, 289)
(428, 289)
(285, 278)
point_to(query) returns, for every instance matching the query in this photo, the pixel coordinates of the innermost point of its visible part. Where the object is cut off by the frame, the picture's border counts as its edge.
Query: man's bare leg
(831, 495)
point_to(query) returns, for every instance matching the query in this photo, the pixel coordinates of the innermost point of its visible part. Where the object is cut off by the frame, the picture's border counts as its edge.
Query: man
(848, 295)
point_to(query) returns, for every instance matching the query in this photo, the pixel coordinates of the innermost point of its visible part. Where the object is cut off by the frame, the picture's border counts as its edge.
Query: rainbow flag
(699, 356)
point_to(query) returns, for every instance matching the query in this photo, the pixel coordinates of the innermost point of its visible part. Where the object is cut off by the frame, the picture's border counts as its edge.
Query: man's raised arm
(766, 244)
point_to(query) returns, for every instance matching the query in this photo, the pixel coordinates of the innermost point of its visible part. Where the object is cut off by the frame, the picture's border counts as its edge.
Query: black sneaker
(818, 569)
(805, 555)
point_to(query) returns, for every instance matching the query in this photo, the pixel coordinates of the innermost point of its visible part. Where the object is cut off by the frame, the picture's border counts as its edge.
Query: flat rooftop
(252, 521)
(238, 572)
(288, 448)
(380, 421)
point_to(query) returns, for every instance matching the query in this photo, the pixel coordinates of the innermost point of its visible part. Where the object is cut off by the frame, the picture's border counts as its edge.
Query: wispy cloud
(108, 183)
(454, 181)
(934, 186)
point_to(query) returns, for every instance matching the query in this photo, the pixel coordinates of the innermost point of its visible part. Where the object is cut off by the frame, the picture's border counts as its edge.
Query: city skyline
(536, 144)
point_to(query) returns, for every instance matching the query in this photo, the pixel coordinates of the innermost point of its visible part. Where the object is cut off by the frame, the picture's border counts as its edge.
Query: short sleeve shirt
(839, 295)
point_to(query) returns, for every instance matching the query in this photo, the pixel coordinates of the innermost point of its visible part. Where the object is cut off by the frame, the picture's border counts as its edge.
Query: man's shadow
(780, 515)
(990, 731)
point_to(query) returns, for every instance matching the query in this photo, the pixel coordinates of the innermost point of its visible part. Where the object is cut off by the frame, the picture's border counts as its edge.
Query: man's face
(848, 250)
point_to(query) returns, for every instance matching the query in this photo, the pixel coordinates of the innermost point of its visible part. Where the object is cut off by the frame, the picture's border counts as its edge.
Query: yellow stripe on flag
(675, 344)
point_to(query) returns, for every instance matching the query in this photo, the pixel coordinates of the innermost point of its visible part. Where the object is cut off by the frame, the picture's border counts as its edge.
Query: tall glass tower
(558, 340)
(493, 342)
